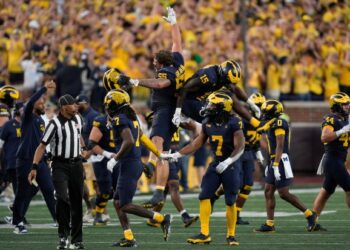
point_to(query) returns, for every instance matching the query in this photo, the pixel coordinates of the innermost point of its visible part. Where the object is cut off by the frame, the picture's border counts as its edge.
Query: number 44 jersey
(341, 144)
(221, 136)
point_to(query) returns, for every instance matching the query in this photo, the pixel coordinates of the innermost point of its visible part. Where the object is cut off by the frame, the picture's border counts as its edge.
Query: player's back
(210, 81)
(107, 140)
(120, 123)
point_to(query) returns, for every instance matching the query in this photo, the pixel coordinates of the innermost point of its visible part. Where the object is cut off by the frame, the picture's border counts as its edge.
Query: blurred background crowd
(291, 49)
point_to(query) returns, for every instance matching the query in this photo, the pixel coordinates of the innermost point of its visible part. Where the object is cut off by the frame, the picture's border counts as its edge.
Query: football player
(335, 137)
(226, 138)
(173, 188)
(126, 129)
(279, 174)
(170, 77)
(101, 142)
(207, 80)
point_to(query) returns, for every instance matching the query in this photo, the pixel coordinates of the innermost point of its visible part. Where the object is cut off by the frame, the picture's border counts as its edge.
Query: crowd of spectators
(297, 50)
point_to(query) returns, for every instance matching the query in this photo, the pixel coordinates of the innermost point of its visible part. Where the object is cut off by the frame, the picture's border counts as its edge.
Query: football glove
(171, 18)
(222, 166)
(343, 130)
(276, 171)
(134, 82)
(148, 169)
(174, 157)
(123, 80)
(177, 117)
(255, 108)
(110, 164)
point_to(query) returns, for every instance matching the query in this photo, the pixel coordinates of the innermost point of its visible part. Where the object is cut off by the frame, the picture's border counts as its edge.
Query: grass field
(290, 226)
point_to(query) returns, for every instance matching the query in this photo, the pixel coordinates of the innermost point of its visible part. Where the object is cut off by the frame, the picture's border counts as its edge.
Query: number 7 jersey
(120, 123)
(341, 144)
(221, 136)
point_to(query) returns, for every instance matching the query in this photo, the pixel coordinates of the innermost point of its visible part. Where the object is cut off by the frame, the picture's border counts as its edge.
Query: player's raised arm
(175, 30)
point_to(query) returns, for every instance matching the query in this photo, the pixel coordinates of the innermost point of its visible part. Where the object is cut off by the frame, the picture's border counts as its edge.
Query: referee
(64, 135)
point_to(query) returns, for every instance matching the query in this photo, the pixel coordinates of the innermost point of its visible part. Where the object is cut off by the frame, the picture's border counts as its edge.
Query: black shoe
(311, 222)
(77, 245)
(63, 243)
(20, 229)
(240, 221)
(199, 239)
(125, 243)
(319, 228)
(232, 241)
(264, 228)
(98, 221)
(157, 199)
(166, 226)
(188, 220)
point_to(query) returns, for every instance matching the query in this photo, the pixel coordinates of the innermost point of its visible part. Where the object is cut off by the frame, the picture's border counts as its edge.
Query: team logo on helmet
(231, 71)
(9, 95)
(271, 109)
(115, 100)
(337, 101)
(113, 79)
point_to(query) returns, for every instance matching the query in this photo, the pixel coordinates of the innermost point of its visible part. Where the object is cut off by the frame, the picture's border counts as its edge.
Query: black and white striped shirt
(64, 136)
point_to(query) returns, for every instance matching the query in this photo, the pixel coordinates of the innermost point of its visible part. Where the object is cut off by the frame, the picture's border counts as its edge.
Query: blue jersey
(221, 136)
(279, 127)
(33, 127)
(176, 75)
(252, 138)
(122, 122)
(11, 135)
(210, 80)
(107, 140)
(88, 117)
(341, 144)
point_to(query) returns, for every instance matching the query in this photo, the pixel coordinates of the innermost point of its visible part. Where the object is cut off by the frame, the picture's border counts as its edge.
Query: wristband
(35, 166)
(275, 164)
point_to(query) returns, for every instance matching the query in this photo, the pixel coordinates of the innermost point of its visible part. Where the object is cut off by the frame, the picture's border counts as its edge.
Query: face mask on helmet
(209, 110)
(115, 100)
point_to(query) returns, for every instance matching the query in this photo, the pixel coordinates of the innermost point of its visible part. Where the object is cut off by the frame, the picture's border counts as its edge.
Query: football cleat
(265, 229)
(319, 228)
(20, 229)
(152, 223)
(99, 221)
(311, 222)
(199, 239)
(88, 217)
(125, 243)
(188, 220)
(157, 199)
(63, 243)
(166, 226)
(240, 221)
(77, 245)
(232, 241)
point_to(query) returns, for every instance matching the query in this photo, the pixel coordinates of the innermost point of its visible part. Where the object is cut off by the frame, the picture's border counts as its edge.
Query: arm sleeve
(49, 133)
(28, 110)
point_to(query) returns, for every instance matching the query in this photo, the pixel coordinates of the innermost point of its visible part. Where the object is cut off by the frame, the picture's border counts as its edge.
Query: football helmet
(9, 95)
(115, 100)
(337, 101)
(113, 79)
(217, 104)
(257, 98)
(231, 71)
(271, 109)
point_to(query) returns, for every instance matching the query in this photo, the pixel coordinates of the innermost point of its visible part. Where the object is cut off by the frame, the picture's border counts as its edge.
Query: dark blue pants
(25, 191)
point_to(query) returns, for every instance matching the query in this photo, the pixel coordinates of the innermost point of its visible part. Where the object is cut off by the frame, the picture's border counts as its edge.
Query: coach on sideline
(64, 135)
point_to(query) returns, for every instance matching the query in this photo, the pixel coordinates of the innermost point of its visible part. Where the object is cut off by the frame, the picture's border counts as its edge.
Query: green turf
(290, 233)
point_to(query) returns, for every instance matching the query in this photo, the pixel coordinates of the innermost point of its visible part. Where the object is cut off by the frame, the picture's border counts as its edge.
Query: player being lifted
(207, 80)
(335, 137)
(170, 77)
(226, 138)
(279, 174)
(128, 157)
